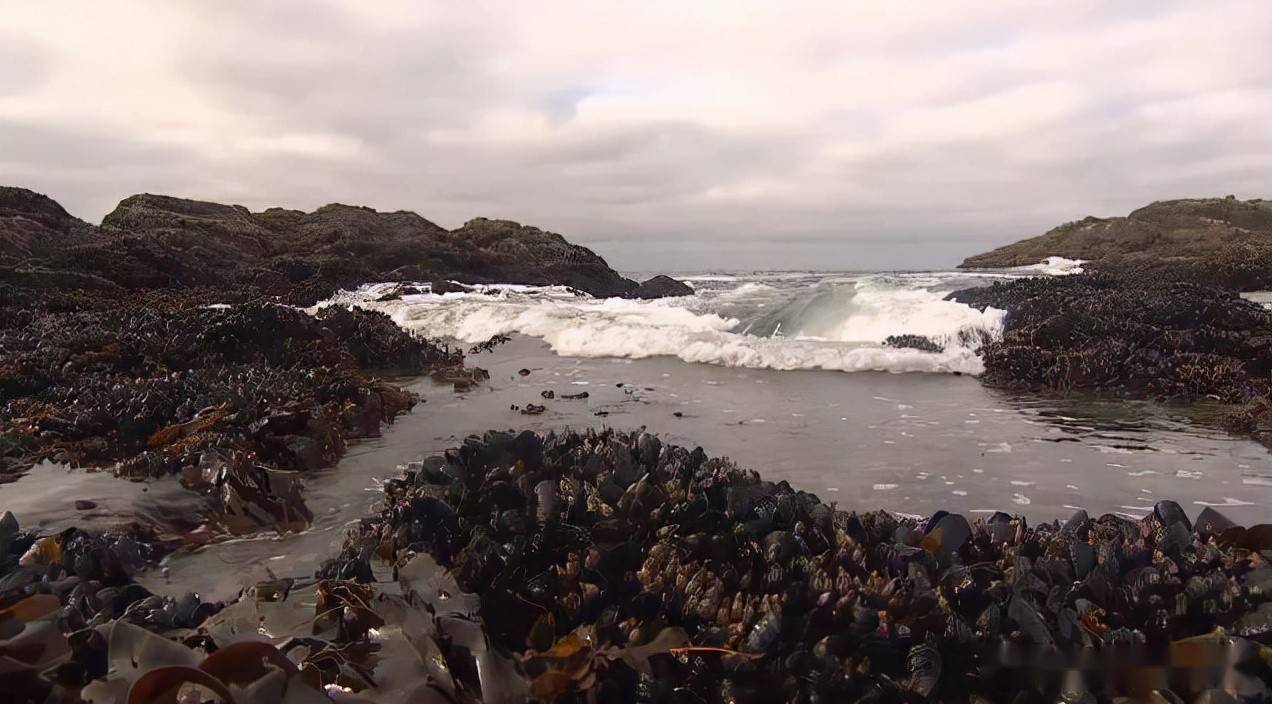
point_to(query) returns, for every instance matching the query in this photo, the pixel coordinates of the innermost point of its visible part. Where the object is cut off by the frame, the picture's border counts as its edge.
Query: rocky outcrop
(155, 344)
(1145, 337)
(153, 241)
(1217, 241)
(661, 286)
(517, 253)
(230, 398)
(33, 226)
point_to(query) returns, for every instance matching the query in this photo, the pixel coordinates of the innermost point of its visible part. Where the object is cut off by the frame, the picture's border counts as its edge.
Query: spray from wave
(771, 321)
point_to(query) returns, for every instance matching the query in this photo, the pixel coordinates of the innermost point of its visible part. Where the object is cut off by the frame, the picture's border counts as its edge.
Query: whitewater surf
(760, 320)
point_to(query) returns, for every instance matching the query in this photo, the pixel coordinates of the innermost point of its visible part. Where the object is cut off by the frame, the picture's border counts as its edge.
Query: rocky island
(587, 566)
(1223, 242)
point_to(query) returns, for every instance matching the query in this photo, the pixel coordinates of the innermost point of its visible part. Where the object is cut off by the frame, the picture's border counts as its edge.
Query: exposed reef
(1097, 331)
(236, 400)
(609, 566)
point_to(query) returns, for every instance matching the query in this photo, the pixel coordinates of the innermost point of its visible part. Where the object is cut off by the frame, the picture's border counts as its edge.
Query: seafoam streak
(844, 340)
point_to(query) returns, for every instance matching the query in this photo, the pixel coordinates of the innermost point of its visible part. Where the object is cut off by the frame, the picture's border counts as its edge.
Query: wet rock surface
(1128, 334)
(60, 597)
(237, 401)
(913, 342)
(661, 286)
(612, 567)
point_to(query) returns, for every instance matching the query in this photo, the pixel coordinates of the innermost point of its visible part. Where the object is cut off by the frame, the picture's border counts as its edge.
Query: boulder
(661, 286)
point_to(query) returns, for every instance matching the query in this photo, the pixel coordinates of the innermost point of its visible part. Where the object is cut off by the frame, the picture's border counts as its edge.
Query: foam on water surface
(779, 321)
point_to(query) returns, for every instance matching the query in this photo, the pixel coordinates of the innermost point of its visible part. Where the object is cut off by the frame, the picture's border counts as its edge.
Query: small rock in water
(533, 410)
(678, 414)
(548, 394)
(575, 397)
(84, 505)
(921, 343)
(523, 372)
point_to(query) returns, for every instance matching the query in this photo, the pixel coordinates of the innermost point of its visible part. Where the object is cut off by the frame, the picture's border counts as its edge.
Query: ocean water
(784, 321)
(911, 443)
(783, 372)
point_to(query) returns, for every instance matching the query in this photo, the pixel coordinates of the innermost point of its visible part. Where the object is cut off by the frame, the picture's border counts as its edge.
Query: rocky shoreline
(1156, 313)
(166, 341)
(1203, 347)
(607, 566)
(567, 567)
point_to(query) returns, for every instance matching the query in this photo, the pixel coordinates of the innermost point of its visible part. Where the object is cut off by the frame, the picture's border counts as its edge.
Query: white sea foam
(1054, 266)
(844, 340)
(1227, 502)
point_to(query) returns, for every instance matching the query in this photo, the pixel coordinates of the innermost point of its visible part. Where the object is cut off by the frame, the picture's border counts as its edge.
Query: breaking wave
(1054, 266)
(784, 322)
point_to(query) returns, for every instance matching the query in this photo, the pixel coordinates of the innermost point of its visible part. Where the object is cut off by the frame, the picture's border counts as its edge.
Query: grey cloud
(466, 112)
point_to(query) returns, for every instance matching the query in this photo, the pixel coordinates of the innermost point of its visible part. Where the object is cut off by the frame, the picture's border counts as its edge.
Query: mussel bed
(607, 566)
(762, 593)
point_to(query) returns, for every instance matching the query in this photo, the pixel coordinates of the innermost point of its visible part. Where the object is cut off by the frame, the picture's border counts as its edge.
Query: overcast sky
(667, 136)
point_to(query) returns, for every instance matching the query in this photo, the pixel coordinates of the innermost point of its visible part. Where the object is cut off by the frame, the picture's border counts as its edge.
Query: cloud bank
(666, 135)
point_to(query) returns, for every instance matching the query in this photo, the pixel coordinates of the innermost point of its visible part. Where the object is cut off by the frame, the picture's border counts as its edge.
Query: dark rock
(85, 505)
(914, 342)
(1139, 335)
(153, 241)
(163, 386)
(661, 286)
(1217, 241)
(440, 286)
(644, 546)
(1212, 523)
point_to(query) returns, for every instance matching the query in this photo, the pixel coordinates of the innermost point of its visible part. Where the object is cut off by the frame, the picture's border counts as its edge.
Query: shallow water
(763, 320)
(45, 498)
(910, 443)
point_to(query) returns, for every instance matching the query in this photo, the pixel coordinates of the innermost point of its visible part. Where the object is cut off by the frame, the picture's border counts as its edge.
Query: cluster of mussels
(1128, 333)
(234, 398)
(56, 594)
(739, 590)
